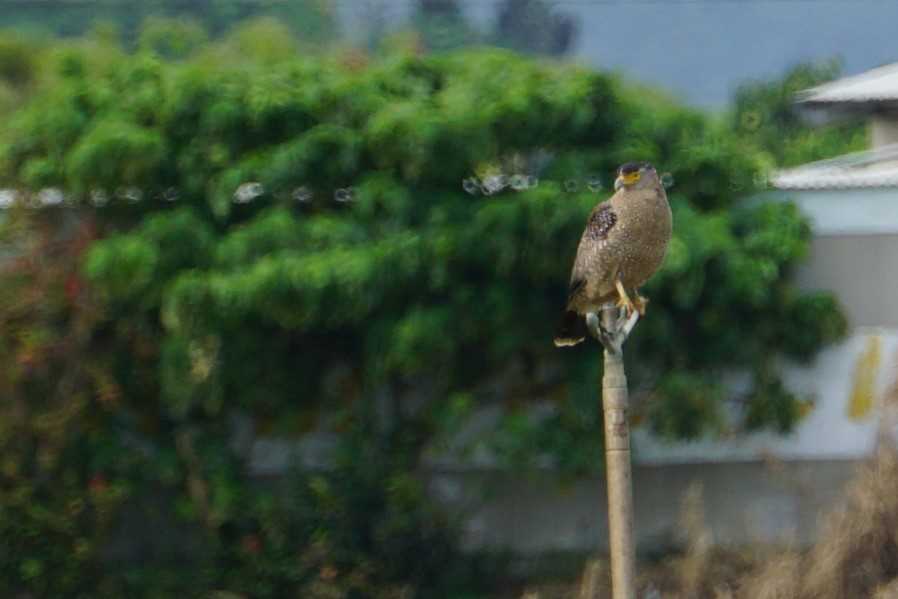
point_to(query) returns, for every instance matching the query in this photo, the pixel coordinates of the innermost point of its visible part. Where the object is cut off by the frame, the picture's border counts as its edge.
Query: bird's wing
(594, 239)
(601, 221)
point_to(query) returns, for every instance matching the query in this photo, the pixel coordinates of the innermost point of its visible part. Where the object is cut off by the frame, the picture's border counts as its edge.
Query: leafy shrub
(288, 236)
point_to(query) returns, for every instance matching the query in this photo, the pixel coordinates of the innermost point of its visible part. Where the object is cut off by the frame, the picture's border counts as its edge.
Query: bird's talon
(640, 303)
(628, 306)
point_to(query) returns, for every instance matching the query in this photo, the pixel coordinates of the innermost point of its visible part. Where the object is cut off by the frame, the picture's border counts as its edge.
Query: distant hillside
(701, 49)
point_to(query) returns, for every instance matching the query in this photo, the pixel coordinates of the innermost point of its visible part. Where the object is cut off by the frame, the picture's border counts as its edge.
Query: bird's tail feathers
(572, 329)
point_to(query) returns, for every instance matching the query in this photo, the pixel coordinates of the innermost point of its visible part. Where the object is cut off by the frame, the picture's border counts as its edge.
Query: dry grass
(855, 557)
(857, 552)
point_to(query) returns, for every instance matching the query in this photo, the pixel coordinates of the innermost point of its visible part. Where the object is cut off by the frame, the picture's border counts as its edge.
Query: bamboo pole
(612, 333)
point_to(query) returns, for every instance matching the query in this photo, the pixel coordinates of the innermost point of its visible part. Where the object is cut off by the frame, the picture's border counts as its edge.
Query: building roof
(879, 84)
(871, 168)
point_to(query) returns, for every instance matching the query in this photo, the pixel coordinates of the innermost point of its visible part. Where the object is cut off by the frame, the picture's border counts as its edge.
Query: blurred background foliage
(215, 224)
(765, 112)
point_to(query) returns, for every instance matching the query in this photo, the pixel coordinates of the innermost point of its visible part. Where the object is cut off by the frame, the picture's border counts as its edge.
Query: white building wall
(848, 384)
(884, 130)
(854, 254)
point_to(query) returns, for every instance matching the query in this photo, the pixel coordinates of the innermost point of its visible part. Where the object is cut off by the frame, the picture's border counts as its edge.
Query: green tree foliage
(312, 21)
(170, 38)
(766, 113)
(18, 69)
(289, 237)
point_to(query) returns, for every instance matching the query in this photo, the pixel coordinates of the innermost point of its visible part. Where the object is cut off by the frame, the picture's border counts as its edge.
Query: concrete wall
(862, 269)
(848, 384)
(744, 503)
(758, 488)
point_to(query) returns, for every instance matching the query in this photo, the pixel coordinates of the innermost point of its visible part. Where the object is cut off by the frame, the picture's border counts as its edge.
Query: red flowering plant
(56, 499)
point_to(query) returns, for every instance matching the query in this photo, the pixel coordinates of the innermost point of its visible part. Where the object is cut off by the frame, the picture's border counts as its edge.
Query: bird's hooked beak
(618, 183)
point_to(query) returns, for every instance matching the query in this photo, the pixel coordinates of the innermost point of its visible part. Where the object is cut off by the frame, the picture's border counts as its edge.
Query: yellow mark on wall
(864, 389)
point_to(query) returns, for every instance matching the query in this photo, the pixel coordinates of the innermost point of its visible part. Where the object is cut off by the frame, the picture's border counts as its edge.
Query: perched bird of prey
(624, 243)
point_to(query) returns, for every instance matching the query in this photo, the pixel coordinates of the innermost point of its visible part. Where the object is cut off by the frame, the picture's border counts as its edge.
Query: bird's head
(635, 175)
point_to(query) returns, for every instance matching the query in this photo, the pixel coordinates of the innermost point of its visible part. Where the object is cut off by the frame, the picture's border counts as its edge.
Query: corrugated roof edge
(855, 170)
(838, 91)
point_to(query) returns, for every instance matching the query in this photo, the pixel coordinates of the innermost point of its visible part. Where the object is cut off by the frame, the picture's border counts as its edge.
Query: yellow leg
(623, 300)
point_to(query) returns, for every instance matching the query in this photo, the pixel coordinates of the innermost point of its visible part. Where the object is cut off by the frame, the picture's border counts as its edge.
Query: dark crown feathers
(632, 167)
